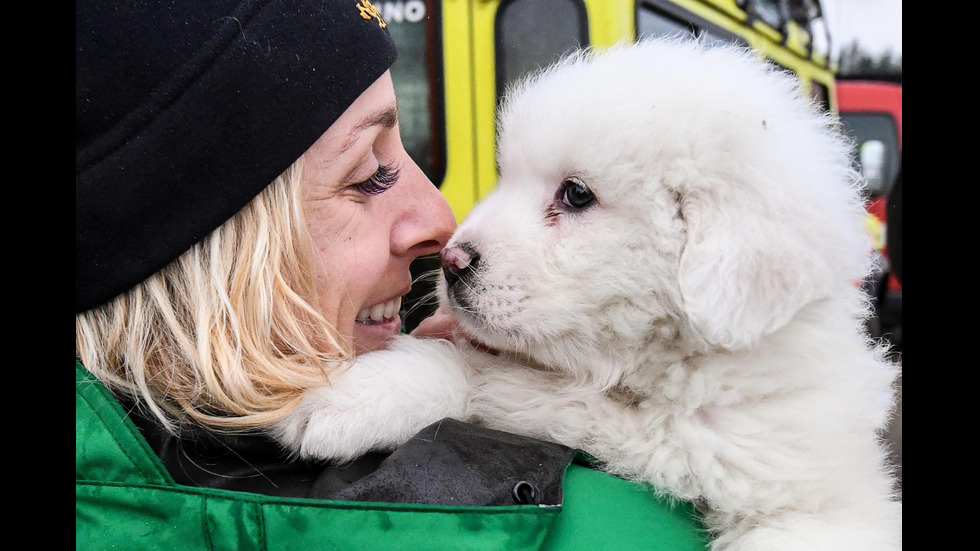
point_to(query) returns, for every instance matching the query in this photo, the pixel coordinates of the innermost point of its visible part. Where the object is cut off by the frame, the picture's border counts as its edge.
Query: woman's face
(371, 212)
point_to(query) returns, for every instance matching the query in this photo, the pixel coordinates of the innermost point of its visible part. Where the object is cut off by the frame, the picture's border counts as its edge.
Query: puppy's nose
(458, 262)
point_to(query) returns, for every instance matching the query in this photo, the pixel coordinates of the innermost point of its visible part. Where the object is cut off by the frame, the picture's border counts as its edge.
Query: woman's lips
(373, 335)
(384, 312)
(388, 326)
(376, 324)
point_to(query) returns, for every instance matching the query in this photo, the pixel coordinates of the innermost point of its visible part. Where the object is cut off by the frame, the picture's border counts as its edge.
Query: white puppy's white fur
(697, 325)
(379, 401)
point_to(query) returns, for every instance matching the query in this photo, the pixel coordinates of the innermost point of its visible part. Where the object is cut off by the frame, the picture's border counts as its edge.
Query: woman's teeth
(385, 311)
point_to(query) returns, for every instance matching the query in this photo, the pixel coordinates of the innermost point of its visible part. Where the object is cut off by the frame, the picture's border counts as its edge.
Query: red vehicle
(871, 112)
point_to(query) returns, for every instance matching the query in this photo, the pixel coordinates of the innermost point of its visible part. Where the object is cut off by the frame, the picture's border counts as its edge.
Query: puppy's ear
(743, 272)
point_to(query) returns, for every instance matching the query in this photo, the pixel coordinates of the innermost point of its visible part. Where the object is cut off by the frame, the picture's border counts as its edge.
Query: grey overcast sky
(876, 24)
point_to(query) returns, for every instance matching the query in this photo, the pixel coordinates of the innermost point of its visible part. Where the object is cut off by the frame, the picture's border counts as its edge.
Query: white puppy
(667, 271)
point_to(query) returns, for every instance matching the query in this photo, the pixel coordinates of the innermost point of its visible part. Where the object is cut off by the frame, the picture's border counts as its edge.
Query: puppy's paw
(378, 402)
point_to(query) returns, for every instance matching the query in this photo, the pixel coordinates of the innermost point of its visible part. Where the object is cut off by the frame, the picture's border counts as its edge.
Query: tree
(854, 60)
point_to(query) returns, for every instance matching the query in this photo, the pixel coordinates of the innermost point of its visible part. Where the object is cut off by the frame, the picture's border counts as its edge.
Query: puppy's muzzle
(459, 262)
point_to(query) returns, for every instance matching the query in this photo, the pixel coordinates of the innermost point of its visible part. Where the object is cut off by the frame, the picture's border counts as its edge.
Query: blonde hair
(228, 335)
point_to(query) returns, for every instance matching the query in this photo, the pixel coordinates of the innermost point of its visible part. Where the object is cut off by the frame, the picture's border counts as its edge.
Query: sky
(876, 24)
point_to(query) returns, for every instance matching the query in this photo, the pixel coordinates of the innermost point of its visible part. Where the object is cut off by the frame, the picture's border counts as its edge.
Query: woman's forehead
(375, 107)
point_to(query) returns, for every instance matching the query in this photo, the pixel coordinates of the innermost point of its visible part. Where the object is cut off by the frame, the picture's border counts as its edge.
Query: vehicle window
(820, 95)
(659, 18)
(876, 150)
(651, 23)
(768, 11)
(417, 74)
(534, 33)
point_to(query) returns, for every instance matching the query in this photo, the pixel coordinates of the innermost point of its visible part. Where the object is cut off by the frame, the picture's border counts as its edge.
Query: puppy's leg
(379, 402)
(549, 405)
(844, 530)
(773, 483)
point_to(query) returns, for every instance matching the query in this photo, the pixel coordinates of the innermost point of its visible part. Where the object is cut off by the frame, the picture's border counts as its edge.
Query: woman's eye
(576, 195)
(379, 182)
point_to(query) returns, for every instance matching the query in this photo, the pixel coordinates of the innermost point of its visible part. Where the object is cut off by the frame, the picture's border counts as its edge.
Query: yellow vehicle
(458, 56)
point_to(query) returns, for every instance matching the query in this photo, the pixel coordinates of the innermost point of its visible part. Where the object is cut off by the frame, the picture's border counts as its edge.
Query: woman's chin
(372, 335)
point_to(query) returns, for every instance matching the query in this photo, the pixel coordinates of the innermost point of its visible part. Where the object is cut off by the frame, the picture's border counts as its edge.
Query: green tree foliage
(856, 61)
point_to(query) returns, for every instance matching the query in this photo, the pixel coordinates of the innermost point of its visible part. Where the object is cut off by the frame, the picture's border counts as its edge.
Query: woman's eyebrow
(387, 118)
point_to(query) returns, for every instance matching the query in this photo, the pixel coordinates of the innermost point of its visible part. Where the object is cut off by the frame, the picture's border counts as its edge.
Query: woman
(209, 300)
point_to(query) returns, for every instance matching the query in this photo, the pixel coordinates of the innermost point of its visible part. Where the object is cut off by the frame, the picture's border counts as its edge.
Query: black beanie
(186, 109)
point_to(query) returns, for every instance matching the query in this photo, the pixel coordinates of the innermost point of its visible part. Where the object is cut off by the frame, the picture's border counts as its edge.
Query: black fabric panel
(456, 463)
(447, 463)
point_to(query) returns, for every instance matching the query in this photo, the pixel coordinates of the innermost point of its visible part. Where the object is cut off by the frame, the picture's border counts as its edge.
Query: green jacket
(126, 499)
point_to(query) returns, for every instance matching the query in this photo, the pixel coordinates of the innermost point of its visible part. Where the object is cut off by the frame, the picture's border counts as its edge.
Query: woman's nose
(426, 222)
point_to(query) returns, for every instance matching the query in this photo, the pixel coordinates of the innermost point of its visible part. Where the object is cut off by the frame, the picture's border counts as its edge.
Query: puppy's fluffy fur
(667, 271)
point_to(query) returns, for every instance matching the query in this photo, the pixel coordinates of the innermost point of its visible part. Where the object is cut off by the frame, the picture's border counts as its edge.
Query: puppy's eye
(574, 194)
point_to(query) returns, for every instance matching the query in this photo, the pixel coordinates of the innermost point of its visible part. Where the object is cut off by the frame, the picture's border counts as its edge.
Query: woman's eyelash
(379, 182)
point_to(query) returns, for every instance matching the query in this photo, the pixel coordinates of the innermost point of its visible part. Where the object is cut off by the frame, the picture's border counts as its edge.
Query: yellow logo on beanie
(368, 11)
